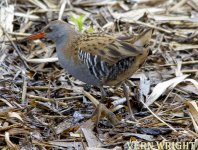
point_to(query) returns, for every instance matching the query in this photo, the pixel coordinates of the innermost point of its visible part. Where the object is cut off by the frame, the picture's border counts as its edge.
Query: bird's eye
(49, 29)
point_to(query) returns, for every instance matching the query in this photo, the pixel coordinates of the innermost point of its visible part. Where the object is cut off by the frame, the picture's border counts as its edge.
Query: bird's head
(53, 31)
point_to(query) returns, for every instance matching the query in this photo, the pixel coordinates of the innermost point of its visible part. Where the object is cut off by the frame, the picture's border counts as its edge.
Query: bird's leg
(103, 94)
(126, 93)
(98, 107)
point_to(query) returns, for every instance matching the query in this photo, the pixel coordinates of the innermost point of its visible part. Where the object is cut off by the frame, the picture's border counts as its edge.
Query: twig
(62, 9)
(43, 60)
(168, 65)
(160, 107)
(190, 71)
(175, 7)
(15, 47)
(24, 91)
(45, 99)
(46, 88)
(158, 117)
(154, 27)
(19, 34)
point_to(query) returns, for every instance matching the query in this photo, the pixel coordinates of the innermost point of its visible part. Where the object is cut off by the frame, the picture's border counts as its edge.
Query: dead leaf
(161, 88)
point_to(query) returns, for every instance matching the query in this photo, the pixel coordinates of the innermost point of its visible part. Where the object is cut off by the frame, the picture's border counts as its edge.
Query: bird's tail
(143, 39)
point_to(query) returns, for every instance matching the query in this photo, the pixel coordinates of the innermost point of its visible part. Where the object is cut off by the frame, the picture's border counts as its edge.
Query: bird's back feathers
(111, 49)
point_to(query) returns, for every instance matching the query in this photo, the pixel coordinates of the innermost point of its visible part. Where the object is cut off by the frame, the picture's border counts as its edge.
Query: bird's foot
(126, 93)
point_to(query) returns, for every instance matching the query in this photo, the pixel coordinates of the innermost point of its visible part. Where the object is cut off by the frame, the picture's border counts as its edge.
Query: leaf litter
(43, 107)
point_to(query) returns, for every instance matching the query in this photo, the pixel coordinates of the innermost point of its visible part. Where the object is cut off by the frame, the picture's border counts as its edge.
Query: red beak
(36, 36)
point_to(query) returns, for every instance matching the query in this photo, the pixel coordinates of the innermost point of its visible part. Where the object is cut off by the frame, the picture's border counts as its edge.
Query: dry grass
(42, 107)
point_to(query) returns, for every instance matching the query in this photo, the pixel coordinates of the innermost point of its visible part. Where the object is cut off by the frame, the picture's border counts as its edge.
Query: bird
(98, 58)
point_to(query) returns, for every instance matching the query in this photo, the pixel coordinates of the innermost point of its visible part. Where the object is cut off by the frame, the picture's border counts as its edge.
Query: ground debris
(43, 107)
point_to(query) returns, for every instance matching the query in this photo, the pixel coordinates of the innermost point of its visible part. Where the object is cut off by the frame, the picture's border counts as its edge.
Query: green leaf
(79, 21)
(90, 30)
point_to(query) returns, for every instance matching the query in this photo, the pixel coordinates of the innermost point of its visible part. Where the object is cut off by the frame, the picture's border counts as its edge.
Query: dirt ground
(43, 107)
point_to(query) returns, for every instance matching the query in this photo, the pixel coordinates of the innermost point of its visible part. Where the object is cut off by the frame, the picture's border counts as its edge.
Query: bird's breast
(76, 68)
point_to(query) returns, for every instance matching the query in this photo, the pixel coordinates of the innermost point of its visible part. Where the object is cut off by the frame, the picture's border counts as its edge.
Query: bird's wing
(112, 49)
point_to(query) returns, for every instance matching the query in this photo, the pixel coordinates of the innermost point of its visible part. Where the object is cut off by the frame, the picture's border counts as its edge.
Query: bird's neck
(65, 45)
